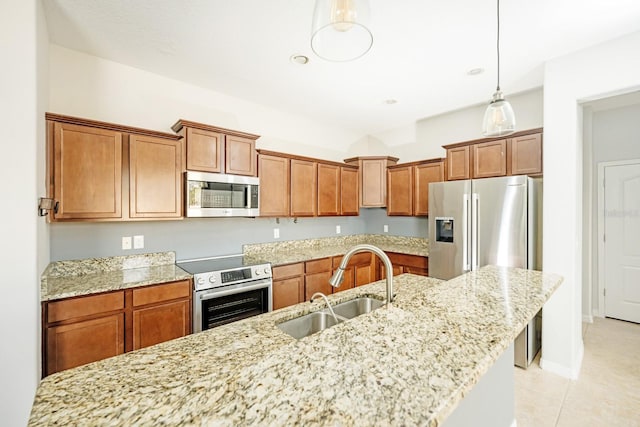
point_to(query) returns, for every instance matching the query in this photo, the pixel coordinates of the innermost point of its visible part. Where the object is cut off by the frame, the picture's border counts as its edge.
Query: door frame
(600, 254)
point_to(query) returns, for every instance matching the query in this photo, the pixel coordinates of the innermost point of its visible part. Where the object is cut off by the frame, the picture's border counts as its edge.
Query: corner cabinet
(219, 150)
(86, 329)
(99, 171)
(372, 179)
(518, 154)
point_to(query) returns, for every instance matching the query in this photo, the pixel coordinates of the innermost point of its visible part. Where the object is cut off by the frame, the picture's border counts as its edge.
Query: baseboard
(571, 372)
(587, 318)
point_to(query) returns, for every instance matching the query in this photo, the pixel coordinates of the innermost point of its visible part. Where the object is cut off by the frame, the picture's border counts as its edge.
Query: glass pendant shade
(498, 118)
(339, 32)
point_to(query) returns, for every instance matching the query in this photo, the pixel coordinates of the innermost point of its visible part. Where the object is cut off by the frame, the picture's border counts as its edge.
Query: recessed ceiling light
(475, 71)
(390, 101)
(299, 59)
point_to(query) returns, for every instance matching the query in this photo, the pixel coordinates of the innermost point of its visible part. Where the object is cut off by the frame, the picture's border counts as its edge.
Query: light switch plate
(138, 242)
(126, 243)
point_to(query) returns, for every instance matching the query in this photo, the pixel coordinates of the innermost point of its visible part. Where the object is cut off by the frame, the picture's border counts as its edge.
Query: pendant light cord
(498, 44)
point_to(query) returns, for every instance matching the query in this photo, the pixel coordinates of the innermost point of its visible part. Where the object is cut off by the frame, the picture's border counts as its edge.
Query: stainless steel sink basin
(356, 307)
(311, 323)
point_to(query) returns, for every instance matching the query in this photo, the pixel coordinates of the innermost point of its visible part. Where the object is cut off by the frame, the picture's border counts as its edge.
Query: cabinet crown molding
(109, 126)
(186, 123)
(481, 140)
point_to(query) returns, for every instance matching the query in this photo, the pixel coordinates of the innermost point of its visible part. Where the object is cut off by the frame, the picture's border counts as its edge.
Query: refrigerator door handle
(465, 234)
(475, 232)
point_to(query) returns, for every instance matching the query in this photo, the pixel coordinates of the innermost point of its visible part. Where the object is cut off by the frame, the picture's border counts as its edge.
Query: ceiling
(421, 53)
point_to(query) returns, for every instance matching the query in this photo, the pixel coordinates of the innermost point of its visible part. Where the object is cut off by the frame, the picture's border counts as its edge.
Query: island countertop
(408, 364)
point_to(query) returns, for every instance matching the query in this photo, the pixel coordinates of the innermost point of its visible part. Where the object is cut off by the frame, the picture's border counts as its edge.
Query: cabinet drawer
(317, 266)
(159, 293)
(84, 306)
(289, 270)
(408, 260)
(357, 259)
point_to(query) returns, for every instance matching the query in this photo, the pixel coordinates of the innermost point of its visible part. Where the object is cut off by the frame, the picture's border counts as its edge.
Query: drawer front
(408, 260)
(84, 306)
(289, 270)
(317, 266)
(357, 259)
(159, 293)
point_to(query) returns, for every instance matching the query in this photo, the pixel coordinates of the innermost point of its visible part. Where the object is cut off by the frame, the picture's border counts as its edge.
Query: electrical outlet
(276, 233)
(385, 228)
(138, 242)
(338, 230)
(126, 243)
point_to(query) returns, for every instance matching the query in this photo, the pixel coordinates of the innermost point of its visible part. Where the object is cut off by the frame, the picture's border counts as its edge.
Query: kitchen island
(408, 364)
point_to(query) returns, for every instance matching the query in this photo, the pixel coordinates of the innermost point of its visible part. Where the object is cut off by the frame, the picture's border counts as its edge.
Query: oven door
(219, 306)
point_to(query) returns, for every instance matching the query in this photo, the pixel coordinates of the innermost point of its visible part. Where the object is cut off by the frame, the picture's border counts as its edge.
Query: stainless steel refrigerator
(478, 222)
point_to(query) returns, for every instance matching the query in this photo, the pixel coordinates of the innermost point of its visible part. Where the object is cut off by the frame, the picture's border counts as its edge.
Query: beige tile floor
(607, 392)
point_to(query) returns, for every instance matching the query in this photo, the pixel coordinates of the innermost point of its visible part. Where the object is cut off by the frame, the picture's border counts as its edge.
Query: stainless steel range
(227, 289)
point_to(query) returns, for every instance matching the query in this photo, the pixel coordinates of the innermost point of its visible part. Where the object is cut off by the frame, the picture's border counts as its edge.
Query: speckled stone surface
(63, 279)
(408, 364)
(279, 253)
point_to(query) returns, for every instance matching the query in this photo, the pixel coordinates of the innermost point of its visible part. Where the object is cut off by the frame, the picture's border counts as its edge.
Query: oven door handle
(218, 294)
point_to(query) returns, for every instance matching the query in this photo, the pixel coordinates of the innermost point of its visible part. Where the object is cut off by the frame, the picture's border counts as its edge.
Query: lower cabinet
(86, 329)
(360, 271)
(316, 277)
(403, 263)
(288, 285)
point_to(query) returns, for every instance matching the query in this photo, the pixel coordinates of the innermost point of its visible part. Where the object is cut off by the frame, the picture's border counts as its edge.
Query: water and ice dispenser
(444, 229)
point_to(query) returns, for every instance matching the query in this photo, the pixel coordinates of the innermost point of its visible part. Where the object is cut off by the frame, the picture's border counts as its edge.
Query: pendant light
(498, 118)
(339, 31)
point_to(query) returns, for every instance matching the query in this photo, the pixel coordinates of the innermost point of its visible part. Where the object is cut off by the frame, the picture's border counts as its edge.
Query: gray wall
(201, 237)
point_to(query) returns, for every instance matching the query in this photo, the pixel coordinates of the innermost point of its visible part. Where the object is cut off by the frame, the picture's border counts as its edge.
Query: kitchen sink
(311, 323)
(356, 307)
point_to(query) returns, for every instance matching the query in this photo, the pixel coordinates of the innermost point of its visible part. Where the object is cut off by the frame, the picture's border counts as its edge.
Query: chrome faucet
(320, 294)
(338, 276)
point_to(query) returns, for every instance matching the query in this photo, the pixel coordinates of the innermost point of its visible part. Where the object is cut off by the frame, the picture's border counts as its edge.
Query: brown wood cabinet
(408, 183)
(519, 153)
(155, 177)
(215, 149)
(85, 329)
(525, 155)
(360, 270)
(372, 179)
(329, 186)
(100, 171)
(349, 201)
(288, 285)
(316, 278)
(275, 177)
(304, 187)
(85, 165)
(404, 263)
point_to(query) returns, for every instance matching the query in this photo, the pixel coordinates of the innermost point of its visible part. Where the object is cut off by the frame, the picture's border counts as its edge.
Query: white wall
(601, 71)
(24, 250)
(87, 86)
(425, 138)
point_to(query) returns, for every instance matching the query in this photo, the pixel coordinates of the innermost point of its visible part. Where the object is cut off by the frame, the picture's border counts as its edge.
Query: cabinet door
(159, 323)
(328, 190)
(274, 185)
(400, 198)
(364, 274)
(349, 203)
(526, 155)
(373, 177)
(304, 188)
(87, 172)
(204, 150)
(423, 176)
(317, 282)
(240, 157)
(83, 342)
(490, 159)
(288, 292)
(458, 161)
(155, 177)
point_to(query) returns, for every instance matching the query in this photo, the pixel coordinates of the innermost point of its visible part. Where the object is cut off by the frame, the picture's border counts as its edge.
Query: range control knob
(258, 272)
(200, 281)
(266, 270)
(212, 279)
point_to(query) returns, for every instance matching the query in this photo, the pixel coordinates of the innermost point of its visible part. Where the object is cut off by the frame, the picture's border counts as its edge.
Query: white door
(622, 241)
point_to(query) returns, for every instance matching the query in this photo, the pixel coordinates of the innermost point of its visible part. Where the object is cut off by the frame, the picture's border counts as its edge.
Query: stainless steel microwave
(220, 195)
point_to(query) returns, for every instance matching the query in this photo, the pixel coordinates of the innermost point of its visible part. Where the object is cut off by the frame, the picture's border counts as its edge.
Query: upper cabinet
(518, 154)
(349, 201)
(304, 187)
(372, 179)
(275, 178)
(329, 189)
(219, 150)
(408, 185)
(101, 171)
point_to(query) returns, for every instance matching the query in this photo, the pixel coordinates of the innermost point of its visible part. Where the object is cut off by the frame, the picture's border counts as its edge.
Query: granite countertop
(64, 279)
(287, 252)
(407, 364)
